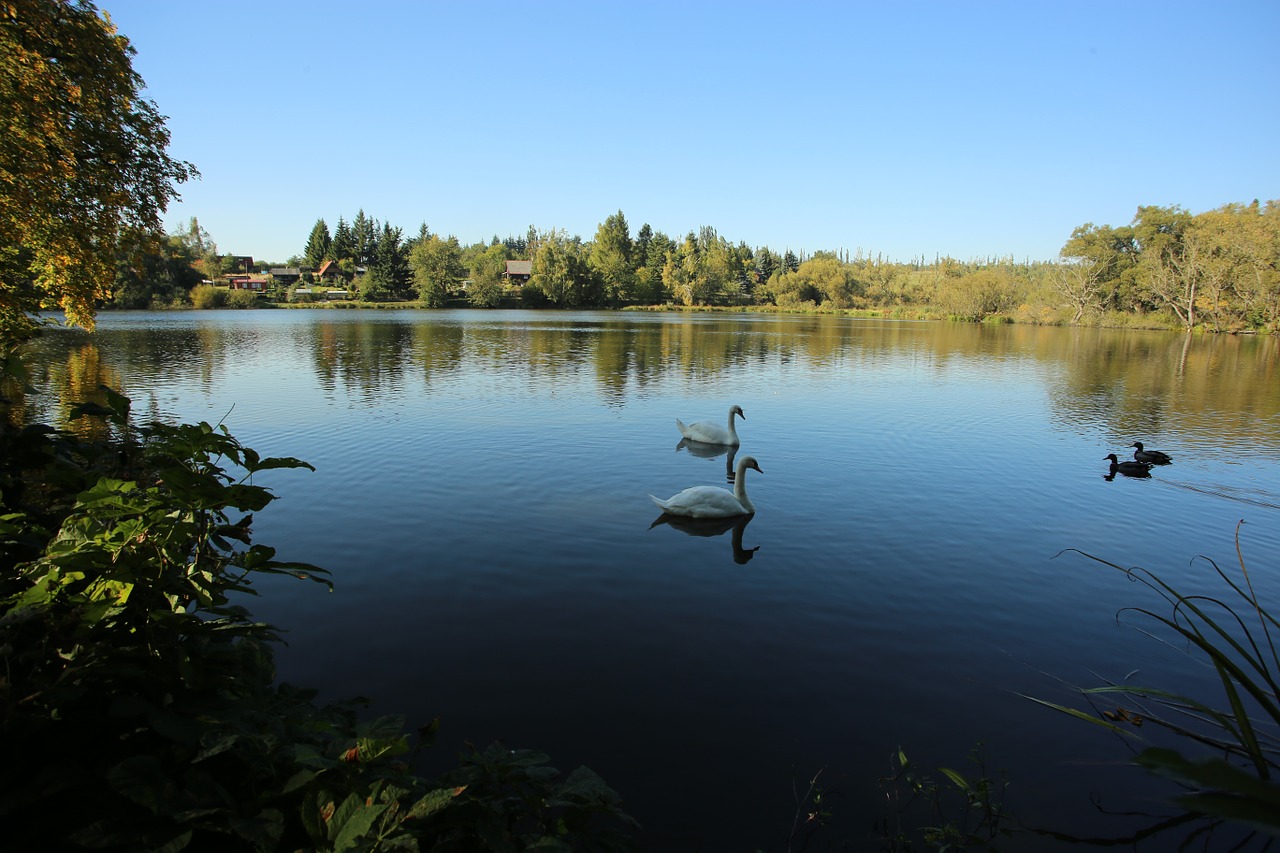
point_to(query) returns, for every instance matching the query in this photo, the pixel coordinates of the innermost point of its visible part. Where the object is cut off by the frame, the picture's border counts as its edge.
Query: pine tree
(343, 246)
(363, 238)
(317, 251)
(390, 264)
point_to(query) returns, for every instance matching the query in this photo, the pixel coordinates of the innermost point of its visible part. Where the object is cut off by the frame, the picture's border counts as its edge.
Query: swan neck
(740, 487)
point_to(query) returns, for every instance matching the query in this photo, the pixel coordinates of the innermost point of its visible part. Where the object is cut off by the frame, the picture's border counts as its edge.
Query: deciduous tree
(437, 268)
(82, 156)
(610, 259)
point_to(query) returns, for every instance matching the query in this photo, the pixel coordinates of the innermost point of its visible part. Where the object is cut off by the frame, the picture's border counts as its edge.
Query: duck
(1129, 467)
(713, 501)
(709, 433)
(1155, 457)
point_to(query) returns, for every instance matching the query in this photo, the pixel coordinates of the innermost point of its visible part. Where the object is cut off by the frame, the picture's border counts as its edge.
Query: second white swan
(709, 433)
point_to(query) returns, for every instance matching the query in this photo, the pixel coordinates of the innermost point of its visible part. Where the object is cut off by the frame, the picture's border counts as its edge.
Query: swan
(709, 433)
(713, 501)
(1155, 457)
(1129, 467)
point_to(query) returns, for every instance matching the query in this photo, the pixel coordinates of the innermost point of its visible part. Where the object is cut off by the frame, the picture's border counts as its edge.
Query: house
(239, 263)
(247, 282)
(518, 272)
(286, 276)
(329, 271)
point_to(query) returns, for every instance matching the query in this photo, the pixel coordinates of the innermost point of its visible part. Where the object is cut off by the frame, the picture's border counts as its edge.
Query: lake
(481, 497)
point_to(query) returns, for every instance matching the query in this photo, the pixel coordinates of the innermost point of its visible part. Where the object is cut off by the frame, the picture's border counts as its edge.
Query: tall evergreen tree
(363, 237)
(390, 265)
(343, 246)
(640, 248)
(317, 251)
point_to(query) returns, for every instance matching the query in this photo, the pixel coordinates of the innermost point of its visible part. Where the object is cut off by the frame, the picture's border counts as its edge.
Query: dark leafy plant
(139, 704)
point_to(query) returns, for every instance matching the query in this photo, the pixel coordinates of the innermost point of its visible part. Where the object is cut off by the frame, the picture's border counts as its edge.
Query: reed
(1235, 738)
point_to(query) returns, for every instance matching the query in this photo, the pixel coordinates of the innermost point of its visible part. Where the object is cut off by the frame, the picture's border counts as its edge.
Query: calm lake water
(481, 499)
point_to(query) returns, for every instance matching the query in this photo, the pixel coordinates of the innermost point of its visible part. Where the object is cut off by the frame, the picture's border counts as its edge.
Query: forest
(1217, 271)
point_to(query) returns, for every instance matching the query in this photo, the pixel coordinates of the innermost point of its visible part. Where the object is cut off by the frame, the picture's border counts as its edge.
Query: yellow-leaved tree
(82, 156)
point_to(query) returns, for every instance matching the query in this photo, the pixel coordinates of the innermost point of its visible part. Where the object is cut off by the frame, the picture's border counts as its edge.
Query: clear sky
(969, 128)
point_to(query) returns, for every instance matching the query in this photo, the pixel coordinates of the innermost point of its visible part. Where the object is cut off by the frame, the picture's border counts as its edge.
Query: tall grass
(1233, 742)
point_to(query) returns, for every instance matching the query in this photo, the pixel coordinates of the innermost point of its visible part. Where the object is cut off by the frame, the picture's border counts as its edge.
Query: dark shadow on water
(713, 527)
(710, 451)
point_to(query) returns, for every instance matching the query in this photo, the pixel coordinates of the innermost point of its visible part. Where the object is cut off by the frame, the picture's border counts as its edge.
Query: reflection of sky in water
(480, 496)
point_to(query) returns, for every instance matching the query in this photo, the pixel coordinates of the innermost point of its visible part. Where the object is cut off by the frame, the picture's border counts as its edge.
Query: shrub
(242, 299)
(208, 296)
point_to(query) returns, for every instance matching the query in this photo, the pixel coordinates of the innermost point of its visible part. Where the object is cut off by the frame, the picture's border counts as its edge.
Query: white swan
(709, 433)
(713, 501)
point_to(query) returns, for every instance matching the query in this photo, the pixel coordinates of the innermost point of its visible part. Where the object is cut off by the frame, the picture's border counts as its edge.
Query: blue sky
(969, 129)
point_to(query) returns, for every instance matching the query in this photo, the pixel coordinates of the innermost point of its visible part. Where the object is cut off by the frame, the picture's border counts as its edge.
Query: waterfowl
(713, 501)
(1129, 467)
(1155, 457)
(709, 433)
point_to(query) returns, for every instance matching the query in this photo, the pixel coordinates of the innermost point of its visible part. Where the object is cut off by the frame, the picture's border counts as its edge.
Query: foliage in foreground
(1231, 783)
(139, 705)
(921, 813)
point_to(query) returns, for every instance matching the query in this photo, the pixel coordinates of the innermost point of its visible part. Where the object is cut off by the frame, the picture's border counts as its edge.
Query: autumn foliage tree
(82, 158)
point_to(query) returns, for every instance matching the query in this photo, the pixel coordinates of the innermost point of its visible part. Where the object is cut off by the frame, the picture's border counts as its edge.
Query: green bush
(208, 296)
(242, 299)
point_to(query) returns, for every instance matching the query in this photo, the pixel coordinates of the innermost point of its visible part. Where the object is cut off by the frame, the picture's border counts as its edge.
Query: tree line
(1219, 270)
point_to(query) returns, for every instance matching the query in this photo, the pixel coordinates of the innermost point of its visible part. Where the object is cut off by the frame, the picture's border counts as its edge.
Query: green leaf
(354, 824)
(279, 462)
(956, 779)
(214, 745)
(298, 780)
(263, 830)
(433, 802)
(1080, 715)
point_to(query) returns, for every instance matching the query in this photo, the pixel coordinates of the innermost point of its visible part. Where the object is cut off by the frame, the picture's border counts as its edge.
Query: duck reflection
(710, 451)
(713, 527)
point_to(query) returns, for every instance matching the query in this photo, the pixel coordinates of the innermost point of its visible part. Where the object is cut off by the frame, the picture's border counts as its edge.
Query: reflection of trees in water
(1141, 384)
(1127, 382)
(76, 377)
(1131, 384)
(370, 357)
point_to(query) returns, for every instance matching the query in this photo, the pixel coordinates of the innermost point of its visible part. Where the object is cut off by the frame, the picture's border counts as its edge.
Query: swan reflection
(712, 527)
(710, 451)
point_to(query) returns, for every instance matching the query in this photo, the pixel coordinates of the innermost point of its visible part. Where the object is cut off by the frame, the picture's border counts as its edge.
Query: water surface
(481, 499)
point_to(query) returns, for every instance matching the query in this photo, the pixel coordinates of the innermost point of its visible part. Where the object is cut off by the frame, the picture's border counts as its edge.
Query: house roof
(326, 266)
(519, 267)
(285, 271)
